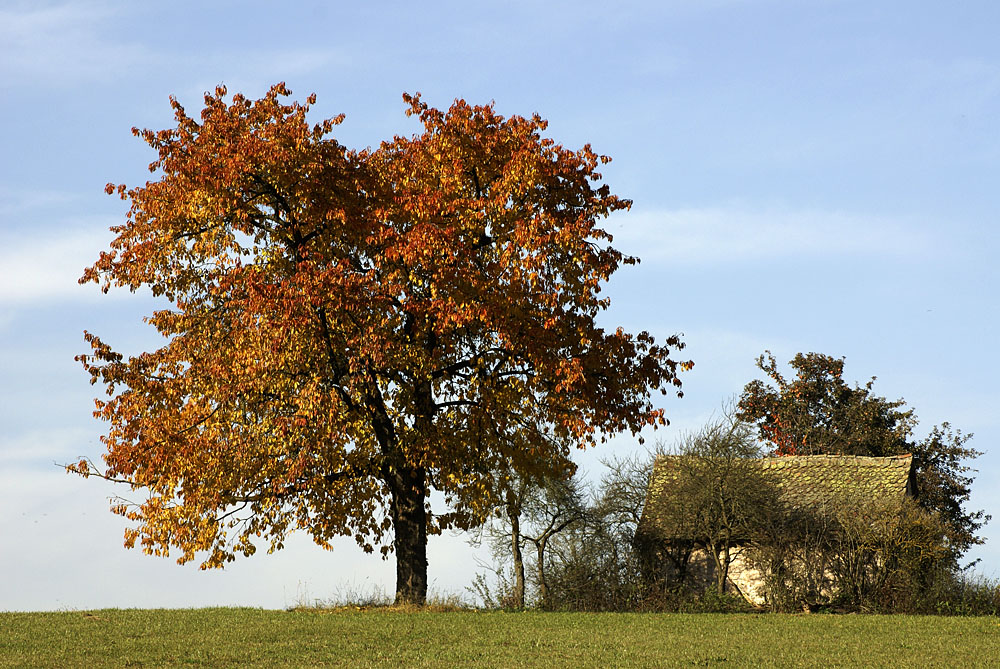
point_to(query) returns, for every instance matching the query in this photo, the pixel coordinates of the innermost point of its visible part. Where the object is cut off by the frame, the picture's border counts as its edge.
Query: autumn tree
(818, 412)
(346, 330)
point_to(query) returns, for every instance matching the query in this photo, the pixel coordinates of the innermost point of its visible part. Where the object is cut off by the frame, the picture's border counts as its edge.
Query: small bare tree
(714, 497)
(550, 509)
(721, 491)
(534, 514)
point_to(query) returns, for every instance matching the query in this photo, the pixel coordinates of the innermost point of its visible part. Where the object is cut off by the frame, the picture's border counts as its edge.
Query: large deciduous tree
(819, 412)
(348, 330)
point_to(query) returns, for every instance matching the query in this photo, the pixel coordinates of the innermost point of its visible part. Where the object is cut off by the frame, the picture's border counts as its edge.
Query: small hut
(805, 483)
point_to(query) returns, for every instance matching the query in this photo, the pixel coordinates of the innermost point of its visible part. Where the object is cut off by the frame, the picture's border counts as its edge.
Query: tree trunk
(409, 520)
(514, 514)
(724, 569)
(543, 587)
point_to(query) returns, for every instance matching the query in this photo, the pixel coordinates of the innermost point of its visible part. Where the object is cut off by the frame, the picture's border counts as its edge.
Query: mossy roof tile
(803, 481)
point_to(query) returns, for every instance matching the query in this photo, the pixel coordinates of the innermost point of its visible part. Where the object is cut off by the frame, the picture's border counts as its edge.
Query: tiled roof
(803, 481)
(810, 480)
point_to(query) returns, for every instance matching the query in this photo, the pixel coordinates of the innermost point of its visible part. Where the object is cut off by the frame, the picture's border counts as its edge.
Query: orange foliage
(348, 330)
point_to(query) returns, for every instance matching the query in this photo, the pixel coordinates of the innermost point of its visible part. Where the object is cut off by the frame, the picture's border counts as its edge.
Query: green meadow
(393, 638)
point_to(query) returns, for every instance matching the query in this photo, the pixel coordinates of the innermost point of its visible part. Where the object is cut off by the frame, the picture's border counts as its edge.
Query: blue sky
(807, 176)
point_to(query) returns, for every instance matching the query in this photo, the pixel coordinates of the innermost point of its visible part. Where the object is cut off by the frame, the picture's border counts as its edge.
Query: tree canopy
(818, 412)
(349, 329)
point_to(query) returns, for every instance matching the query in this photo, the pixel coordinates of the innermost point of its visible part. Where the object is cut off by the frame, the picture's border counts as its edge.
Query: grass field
(379, 637)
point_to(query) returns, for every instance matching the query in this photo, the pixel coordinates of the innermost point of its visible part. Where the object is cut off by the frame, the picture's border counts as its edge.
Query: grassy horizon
(388, 637)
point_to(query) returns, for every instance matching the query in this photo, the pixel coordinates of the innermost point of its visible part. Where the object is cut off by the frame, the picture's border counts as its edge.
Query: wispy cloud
(46, 266)
(62, 43)
(40, 448)
(251, 72)
(73, 43)
(16, 202)
(715, 235)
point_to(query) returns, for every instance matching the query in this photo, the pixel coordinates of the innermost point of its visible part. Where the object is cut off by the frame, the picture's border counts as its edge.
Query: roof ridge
(837, 456)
